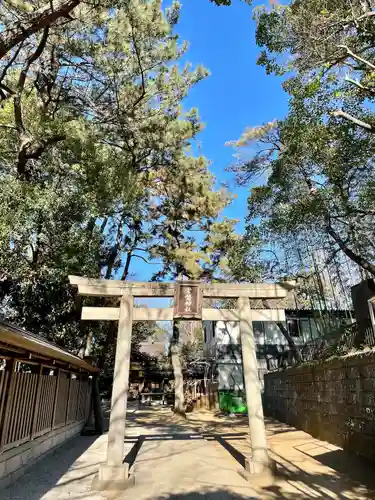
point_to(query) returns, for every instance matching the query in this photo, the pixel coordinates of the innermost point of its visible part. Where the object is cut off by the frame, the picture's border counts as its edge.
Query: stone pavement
(306, 467)
(174, 459)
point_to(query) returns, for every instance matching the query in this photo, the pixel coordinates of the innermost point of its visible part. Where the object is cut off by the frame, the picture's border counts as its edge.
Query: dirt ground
(199, 458)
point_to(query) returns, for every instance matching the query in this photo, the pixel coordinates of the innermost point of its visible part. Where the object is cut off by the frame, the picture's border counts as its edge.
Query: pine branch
(33, 23)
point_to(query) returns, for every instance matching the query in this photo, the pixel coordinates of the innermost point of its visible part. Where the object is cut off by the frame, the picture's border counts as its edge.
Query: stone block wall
(333, 400)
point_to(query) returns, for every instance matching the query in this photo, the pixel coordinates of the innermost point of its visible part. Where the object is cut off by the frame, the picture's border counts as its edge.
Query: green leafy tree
(316, 165)
(324, 43)
(21, 20)
(188, 206)
(319, 181)
(96, 165)
(86, 140)
(186, 213)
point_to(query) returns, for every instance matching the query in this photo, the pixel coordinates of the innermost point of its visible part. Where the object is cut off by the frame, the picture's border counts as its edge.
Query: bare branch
(366, 16)
(21, 83)
(5, 91)
(357, 57)
(356, 121)
(360, 86)
(145, 260)
(8, 127)
(34, 56)
(358, 259)
(11, 61)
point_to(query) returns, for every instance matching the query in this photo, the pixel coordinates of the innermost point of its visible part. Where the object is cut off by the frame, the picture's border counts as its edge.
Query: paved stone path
(176, 462)
(198, 459)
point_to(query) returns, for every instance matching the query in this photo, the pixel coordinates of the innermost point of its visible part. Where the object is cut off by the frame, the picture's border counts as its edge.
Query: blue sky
(236, 95)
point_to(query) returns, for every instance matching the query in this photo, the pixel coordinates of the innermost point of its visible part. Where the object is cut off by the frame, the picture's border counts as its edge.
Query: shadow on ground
(150, 417)
(220, 422)
(345, 476)
(318, 488)
(292, 482)
(207, 495)
(45, 474)
(342, 462)
(310, 485)
(271, 493)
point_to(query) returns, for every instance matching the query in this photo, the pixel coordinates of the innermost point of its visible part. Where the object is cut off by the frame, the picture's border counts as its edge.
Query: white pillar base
(253, 467)
(259, 473)
(113, 478)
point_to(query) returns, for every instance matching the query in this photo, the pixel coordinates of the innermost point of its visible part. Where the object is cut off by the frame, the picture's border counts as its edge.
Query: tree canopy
(21, 20)
(316, 165)
(326, 44)
(96, 167)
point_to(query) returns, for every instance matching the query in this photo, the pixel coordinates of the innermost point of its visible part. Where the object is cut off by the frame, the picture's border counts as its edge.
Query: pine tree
(95, 122)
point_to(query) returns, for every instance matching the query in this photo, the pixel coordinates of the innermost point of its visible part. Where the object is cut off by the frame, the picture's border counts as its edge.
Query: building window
(259, 331)
(293, 327)
(258, 328)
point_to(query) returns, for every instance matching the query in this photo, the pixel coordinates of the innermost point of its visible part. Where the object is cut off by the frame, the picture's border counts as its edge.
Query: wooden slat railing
(4, 376)
(45, 409)
(32, 404)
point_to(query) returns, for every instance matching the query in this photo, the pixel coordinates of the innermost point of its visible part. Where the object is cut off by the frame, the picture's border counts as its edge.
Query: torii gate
(114, 474)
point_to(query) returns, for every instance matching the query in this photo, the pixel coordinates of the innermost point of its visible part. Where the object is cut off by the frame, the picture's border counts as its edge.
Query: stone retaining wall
(333, 401)
(15, 462)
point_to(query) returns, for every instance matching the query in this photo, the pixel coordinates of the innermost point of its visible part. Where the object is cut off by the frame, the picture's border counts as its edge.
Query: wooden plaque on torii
(187, 300)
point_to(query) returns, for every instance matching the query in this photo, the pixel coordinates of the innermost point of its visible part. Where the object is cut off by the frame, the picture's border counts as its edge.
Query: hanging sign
(188, 300)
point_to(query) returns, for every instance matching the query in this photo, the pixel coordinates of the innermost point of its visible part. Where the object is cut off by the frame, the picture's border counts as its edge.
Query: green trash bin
(232, 402)
(238, 404)
(225, 400)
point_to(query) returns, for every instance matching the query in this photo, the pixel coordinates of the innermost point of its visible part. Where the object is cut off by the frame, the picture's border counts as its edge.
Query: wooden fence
(202, 394)
(36, 401)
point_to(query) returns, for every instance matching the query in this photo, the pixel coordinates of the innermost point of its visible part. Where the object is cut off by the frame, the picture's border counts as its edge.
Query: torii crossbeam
(114, 474)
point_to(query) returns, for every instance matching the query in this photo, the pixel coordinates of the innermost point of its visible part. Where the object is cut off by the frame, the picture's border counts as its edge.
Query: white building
(222, 344)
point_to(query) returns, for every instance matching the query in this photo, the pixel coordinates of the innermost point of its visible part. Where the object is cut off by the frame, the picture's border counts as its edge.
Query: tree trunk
(97, 405)
(111, 261)
(289, 339)
(88, 347)
(358, 259)
(91, 225)
(127, 266)
(110, 340)
(33, 23)
(175, 350)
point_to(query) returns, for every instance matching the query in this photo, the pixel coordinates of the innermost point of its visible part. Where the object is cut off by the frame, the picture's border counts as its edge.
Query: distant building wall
(153, 349)
(333, 401)
(302, 328)
(222, 343)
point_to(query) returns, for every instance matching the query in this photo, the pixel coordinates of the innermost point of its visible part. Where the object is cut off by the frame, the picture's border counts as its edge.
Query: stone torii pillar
(114, 474)
(259, 462)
